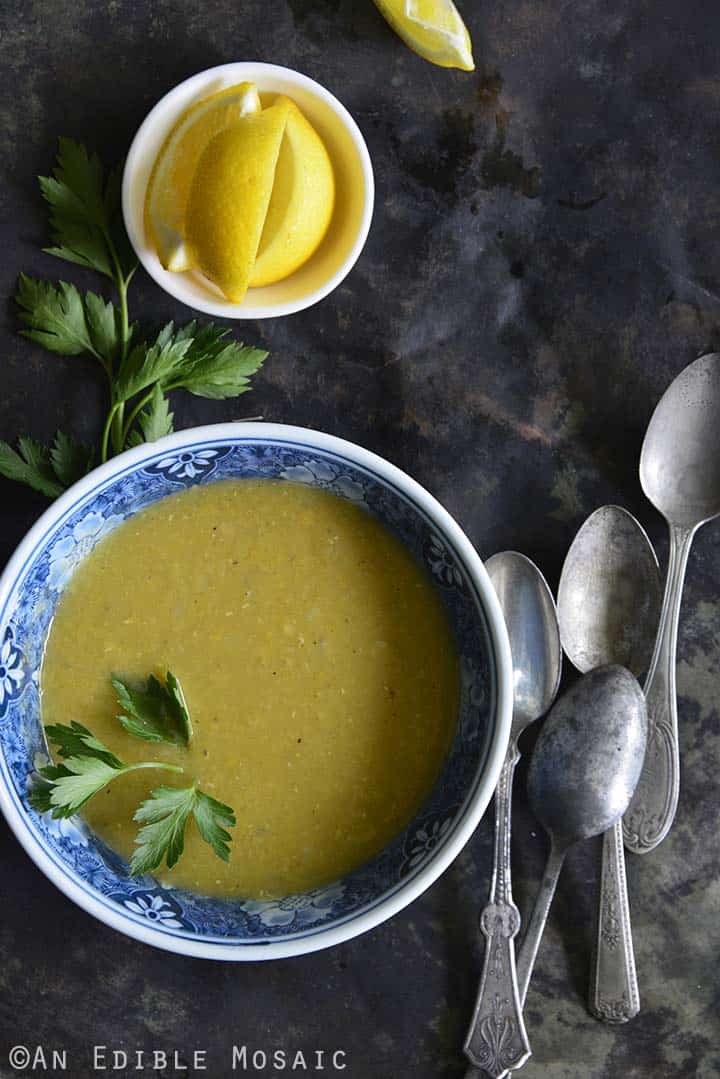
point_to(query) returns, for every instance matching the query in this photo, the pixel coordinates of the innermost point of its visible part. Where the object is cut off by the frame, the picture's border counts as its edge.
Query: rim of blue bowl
(470, 814)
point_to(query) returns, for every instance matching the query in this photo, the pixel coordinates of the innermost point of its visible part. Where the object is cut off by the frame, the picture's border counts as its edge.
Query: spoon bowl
(588, 756)
(583, 772)
(610, 594)
(532, 626)
(679, 462)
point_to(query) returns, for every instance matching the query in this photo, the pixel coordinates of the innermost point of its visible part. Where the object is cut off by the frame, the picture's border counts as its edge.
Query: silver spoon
(608, 606)
(680, 474)
(532, 625)
(583, 771)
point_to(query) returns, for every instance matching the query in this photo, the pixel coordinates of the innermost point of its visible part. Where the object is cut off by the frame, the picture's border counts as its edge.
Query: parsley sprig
(140, 368)
(165, 815)
(156, 713)
(88, 766)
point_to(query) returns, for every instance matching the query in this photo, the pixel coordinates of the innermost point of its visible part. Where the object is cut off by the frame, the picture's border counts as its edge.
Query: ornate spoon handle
(614, 995)
(652, 809)
(497, 1040)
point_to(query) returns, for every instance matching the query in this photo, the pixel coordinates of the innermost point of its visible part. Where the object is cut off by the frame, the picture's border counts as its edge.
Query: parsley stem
(134, 768)
(151, 764)
(122, 282)
(137, 409)
(117, 429)
(118, 437)
(106, 433)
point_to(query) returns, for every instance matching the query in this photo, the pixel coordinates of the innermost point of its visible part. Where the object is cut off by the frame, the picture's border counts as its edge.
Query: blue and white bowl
(97, 878)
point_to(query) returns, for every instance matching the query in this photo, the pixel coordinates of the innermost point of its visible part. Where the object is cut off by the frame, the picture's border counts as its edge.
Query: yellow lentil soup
(316, 659)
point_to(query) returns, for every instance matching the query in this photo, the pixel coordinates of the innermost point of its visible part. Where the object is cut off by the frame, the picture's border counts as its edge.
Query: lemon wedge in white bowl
(230, 195)
(333, 211)
(172, 176)
(301, 205)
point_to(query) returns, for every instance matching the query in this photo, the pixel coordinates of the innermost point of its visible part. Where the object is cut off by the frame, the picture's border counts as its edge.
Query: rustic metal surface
(545, 258)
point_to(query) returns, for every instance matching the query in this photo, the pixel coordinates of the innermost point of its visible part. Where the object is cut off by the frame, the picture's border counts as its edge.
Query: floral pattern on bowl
(67, 553)
(156, 907)
(27, 609)
(12, 674)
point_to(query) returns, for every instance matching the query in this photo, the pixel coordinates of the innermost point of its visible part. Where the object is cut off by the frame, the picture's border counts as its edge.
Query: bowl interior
(354, 192)
(75, 853)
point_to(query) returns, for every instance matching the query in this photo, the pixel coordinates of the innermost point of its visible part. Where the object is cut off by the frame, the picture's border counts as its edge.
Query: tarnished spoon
(584, 768)
(497, 1040)
(680, 474)
(609, 605)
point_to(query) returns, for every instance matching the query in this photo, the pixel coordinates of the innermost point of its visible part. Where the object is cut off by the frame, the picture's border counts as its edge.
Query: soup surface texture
(317, 662)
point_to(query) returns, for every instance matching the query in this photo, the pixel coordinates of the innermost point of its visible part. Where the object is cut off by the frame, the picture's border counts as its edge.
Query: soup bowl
(96, 877)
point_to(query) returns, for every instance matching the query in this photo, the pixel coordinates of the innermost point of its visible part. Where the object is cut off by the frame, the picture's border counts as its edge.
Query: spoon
(680, 474)
(608, 607)
(583, 771)
(497, 1040)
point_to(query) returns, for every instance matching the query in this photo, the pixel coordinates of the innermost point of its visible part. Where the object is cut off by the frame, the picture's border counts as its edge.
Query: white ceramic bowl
(95, 877)
(355, 192)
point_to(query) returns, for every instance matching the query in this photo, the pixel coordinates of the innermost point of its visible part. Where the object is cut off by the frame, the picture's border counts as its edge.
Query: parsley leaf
(77, 741)
(164, 816)
(212, 818)
(155, 421)
(47, 470)
(79, 217)
(70, 460)
(39, 796)
(66, 322)
(56, 316)
(101, 319)
(87, 766)
(166, 813)
(215, 367)
(155, 712)
(146, 365)
(31, 466)
(72, 784)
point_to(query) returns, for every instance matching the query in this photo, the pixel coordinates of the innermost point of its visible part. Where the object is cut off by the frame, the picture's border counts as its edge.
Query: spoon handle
(614, 995)
(652, 809)
(533, 936)
(497, 1040)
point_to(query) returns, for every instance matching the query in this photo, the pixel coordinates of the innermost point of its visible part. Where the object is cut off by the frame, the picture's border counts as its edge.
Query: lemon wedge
(302, 201)
(433, 29)
(242, 193)
(171, 179)
(230, 195)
